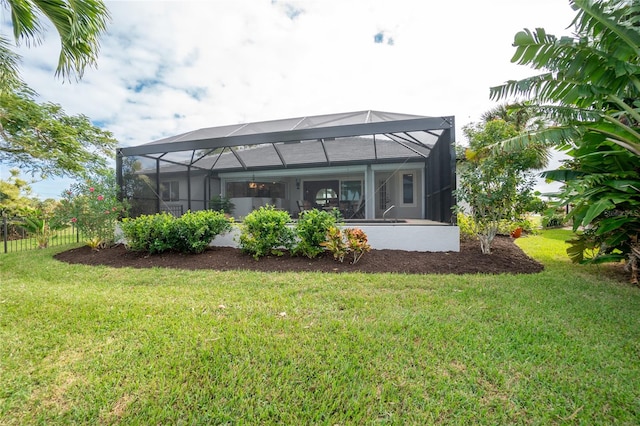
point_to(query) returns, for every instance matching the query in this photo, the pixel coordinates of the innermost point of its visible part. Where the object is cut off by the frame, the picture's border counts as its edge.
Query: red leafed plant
(352, 240)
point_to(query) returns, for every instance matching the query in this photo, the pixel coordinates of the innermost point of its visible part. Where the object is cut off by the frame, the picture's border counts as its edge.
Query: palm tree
(523, 115)
(590, 90)
(79, 24)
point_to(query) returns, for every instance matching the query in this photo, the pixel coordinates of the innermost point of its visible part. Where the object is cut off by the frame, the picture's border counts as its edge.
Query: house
(371, 165)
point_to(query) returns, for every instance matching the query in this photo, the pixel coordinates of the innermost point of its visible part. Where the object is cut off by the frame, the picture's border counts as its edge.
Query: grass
(120, 346)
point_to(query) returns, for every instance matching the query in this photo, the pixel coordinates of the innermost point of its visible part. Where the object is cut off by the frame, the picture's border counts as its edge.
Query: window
(326, 196)
(255, 189)
(170, 191)
(350, 190)
(408, 188)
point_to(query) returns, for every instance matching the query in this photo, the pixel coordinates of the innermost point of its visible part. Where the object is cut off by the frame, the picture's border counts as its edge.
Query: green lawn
(96, 345)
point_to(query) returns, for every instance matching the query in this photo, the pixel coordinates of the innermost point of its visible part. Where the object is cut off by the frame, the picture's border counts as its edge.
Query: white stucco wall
(413, 237)
(389, 236)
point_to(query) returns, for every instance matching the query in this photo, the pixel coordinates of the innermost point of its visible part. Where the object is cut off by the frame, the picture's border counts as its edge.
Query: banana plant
(40, 229)
(589, 87)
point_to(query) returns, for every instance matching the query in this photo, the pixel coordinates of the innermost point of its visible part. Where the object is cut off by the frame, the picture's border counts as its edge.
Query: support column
(158, 190)
(205, 197)
(189, 188)
(370, 193)
(119, 176)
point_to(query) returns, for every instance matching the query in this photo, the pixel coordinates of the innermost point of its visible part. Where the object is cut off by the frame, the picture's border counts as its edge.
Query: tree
(79, 24)
(522, 115)
(492, 184)
(14, 195)
(41, 138)
(590, 87)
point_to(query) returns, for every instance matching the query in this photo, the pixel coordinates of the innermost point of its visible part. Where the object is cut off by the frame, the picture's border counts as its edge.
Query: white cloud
(174, 66)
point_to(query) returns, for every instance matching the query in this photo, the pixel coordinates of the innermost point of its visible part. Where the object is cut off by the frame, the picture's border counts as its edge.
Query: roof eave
(418, 124)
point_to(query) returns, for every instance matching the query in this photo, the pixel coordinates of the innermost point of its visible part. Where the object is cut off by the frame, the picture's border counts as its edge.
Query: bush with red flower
(93, 206)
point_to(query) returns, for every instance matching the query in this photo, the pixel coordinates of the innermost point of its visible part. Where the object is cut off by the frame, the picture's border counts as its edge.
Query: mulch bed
(506, 257)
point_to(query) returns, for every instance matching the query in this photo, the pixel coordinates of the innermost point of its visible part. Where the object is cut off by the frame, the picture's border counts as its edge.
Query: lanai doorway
(384, 193)
(321, 193)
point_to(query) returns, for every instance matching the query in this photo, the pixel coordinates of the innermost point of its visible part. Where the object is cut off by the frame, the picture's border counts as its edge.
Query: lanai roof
(356, 137)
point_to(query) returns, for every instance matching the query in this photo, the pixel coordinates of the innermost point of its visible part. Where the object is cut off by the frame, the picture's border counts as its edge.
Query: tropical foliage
(41, 226)
(79, 24)
(522, 115)
(590, 88)
(342, 242)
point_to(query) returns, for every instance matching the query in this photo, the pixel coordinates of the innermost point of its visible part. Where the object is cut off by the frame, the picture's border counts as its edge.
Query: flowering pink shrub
(94, 208)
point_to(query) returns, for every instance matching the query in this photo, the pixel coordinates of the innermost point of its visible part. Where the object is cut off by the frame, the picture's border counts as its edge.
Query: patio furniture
(303, 206)
(358, 211)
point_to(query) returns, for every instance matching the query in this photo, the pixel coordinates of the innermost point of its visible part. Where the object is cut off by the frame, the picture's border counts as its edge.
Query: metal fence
(16, 237)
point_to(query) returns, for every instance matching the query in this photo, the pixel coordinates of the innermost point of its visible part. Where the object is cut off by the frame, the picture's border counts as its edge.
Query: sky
(168, 67)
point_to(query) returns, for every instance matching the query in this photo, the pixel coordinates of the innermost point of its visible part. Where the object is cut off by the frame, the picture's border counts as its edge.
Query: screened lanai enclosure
(370, 165)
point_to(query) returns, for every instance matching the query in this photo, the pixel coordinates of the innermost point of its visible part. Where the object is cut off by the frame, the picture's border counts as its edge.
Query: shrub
(467, 227)
(311, 231)
(191, 233)
(42, 222)
(336, 244)
(223, 204)
(527, 225)
(41, 228)
(554, 218)
(150, 233)
(341, 243)
(358, 243)
(265, 231)
(195, 230)
(93, 207)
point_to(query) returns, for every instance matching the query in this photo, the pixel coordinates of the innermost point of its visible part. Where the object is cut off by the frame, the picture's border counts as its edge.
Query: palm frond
(605, 21)
(620, 134)
(9, 76)
(562, 175)
(564, 115)
(577, 70)
(514, 88)
(24, 19)
(633, 113)
(79, 24)
(549, 137)
(523, 115)
(632, 147)
(584, 87)
(531, 45)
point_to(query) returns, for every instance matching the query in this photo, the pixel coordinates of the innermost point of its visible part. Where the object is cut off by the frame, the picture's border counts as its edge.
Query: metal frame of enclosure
(289, 149)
